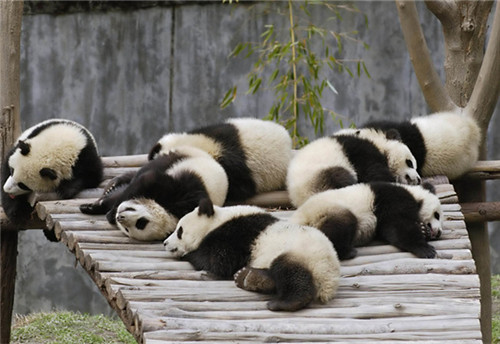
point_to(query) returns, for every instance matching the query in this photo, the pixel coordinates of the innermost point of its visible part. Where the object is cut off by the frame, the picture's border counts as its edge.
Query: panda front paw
(92, 208)
(427, 251)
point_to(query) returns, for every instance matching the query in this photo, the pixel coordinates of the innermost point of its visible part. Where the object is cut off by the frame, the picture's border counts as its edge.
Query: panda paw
(427, 251)
(252, 279)
(425, 230)
(92, 208)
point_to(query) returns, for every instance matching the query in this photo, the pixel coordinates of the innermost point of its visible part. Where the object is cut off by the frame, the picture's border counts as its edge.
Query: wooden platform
(385, 295)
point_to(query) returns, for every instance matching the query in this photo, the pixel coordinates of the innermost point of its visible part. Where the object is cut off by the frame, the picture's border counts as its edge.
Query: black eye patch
(409, 163)
(23, 186)
(436, 215)
(179, 233)
(141, 223)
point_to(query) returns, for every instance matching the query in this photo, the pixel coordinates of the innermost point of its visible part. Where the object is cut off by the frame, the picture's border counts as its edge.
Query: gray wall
(131, 76)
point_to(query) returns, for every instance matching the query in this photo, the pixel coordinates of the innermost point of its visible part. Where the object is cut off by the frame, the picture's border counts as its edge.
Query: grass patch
(495, 300)
(68, 327)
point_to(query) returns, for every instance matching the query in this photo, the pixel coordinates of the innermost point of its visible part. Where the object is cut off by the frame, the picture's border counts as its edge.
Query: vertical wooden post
(10, 40)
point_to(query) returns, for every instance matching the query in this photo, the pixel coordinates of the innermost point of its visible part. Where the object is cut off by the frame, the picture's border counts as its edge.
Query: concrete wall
(131, 76)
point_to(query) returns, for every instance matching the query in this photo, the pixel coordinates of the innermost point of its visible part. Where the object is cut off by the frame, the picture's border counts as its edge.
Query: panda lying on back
(298, 263)
(346, 158)
(148, 204)
(254, 153)
(55, 155)
(406, 216)
(444, 143)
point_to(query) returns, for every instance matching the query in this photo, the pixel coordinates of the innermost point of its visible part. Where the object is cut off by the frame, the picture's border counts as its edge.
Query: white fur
(161, 223)
(308, 162)
(307, 245)
(56, 147)
(430, 206)
(358, 199)
(267, 147)
(204, 166)
(268, 150)
(452, 142)
(199, 226)
(397, 154)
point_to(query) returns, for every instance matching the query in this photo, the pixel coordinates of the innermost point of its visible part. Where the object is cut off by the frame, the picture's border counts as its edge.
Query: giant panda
(264, 254)
(347, 158)
(444, 143)
(148, 204)
(406, 216)
(254, 153)
(55, 155)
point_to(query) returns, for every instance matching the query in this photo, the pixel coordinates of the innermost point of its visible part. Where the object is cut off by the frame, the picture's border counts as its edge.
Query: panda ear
(155, 150)
(428, 186)
(25, 147)
(48, 173)
(393, 134)
(205, 207)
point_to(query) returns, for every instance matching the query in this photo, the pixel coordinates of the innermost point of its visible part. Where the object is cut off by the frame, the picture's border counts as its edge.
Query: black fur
(398, 220)
(17, 209)
(333, 178)
(294, 284)
(370, 164)
(227, 248)
(232, 159)
(341, 228)
(410, 136)
(178, 195)
(87, 172)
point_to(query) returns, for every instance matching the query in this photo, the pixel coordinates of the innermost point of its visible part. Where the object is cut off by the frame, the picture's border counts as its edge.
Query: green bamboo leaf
(349, 71)
(273, 76)
(334, 90)
(366, 71)
(238, 49)
(229, 97)
(359, 68)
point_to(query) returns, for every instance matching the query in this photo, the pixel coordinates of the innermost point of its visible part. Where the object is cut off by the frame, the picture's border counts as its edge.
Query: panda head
(29, 171)
(430, 213)
(144, 219)
(402, 163)
(400, 160)
(192, 228)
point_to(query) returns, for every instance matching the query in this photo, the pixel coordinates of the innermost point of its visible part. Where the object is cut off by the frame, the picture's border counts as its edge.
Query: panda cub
(298, 263)
(444, 143)
(406, 216)
(55, 155)
(254, 153)
(346, 158)
(148, 204)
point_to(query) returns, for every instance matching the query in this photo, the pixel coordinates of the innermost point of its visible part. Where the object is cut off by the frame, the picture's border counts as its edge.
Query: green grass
(67, 327)
(495, 299)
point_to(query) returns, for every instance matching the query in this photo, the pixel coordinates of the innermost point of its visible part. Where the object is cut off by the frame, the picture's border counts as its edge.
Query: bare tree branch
(430, 83)
(442, 9)
(487, 88)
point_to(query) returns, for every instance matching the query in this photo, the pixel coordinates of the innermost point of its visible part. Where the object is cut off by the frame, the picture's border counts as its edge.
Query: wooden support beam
(481, 211)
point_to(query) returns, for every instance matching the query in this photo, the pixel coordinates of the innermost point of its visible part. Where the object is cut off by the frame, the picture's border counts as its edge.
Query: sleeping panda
(55, 155)
(406, 216)
(444, 143)
(148, 205)
(254, 153)
(347, 158)
(264, 254)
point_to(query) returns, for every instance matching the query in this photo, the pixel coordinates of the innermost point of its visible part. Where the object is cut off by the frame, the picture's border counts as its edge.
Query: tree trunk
(10, 34)
(472, 85)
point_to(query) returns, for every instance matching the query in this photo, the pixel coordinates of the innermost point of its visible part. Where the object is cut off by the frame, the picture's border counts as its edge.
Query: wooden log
(193, 336)
(481, 211)
(125, 161)
(484, 170)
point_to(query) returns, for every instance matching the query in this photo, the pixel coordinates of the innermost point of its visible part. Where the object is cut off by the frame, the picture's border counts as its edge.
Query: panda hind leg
(253, 279)
(340, 228)
(294, 284)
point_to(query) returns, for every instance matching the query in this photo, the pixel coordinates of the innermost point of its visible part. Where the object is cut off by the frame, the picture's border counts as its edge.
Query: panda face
(402, 163)
(144, 219)
(27, 175)
(431, 213)
(192, 228)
